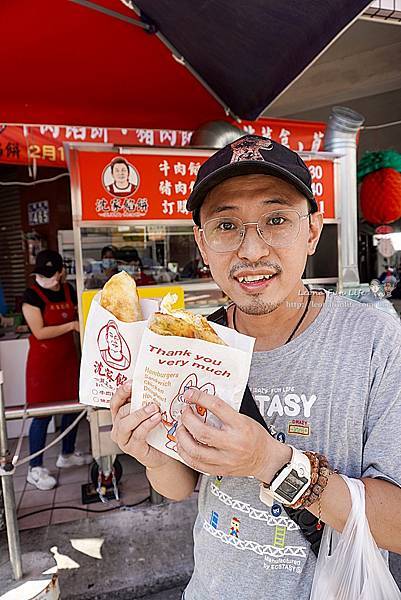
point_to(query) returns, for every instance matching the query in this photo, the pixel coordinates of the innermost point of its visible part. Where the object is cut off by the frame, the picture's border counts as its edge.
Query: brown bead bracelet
(320, 474)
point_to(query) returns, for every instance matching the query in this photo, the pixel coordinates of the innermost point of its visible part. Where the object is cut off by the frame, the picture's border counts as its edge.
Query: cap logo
(249, 148)
(49, 263)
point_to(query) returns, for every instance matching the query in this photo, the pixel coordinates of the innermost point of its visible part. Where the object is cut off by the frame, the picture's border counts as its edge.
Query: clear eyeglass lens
(279, 228)
(224, 233)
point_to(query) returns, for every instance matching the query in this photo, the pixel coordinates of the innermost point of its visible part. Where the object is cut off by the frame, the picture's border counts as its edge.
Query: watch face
(291, 485)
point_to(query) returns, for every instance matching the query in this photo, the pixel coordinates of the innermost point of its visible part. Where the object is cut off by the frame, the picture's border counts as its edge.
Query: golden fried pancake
(169, 325)
(120, 297)
(205, 331)
(192, 326)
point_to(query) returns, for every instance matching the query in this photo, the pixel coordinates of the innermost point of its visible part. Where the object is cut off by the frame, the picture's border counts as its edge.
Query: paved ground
(144, 551)
(56, 505)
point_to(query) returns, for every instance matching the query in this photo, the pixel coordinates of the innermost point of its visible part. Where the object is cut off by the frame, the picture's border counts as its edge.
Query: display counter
(13, 355)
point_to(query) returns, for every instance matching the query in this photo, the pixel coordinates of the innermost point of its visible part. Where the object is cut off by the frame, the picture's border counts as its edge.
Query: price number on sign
(322, 174)
(316, 172)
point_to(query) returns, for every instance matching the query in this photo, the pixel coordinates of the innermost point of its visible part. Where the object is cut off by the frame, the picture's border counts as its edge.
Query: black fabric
(248, 404)
(249, 52)
(304, 519)
(31, 297)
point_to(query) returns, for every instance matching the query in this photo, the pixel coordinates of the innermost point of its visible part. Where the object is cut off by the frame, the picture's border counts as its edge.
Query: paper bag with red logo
(109, 353)
(170, 364)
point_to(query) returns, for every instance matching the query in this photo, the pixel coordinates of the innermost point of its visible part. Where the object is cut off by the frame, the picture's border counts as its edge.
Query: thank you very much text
(182, 358)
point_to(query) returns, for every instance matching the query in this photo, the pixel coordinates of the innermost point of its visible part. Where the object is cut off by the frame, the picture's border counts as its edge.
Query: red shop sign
(155, 185)
(43, 144)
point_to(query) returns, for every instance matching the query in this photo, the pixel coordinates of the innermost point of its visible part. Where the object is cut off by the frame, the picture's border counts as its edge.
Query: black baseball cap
(48, 262)
(251, 154)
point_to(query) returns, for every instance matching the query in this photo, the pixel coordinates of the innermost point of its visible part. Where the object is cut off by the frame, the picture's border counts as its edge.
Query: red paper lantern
(380, 196)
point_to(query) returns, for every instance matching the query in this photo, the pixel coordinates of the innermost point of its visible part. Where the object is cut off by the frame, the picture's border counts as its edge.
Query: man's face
(120, 174)
(113, 340)
(249, 197)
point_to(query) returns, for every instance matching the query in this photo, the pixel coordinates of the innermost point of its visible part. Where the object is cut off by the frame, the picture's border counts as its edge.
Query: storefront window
(165, 255)
(152, 254)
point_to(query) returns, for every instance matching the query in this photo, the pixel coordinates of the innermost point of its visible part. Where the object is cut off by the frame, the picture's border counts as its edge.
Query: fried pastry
(120, 297)
(182, 323)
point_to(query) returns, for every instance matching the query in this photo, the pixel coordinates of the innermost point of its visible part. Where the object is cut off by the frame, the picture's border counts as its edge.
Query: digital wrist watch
(289, 483)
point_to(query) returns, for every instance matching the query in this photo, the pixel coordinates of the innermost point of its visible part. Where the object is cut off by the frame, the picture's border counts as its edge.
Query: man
(120, 172)
(113, 355)
(325, 374)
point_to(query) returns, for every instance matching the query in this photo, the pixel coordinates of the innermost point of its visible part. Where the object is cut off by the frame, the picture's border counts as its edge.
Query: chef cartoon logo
(170, 420)
(120, 178)
(113, 348)
(249, 148)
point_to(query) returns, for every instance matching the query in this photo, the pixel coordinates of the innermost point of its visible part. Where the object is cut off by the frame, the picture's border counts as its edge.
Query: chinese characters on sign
(43, 144)
(118, 208)
(142, 185)
(46, 152)
(174, 190)
(11, 151)
(156, 186)
(300, 136)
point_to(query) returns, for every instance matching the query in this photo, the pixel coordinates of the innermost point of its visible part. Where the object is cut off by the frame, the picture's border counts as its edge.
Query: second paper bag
(168, 365)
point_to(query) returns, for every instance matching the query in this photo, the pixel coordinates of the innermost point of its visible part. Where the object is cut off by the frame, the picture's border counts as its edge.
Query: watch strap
(298, 462)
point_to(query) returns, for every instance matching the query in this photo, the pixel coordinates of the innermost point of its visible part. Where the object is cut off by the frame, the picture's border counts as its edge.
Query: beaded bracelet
(320, 474)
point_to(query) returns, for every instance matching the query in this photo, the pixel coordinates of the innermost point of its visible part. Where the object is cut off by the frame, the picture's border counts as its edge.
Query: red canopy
(69, 64)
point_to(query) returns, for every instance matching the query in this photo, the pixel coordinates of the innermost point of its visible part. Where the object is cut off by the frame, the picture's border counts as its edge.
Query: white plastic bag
(353, 568)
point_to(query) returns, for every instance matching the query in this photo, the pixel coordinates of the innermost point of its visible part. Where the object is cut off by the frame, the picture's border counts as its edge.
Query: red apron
(52, 365)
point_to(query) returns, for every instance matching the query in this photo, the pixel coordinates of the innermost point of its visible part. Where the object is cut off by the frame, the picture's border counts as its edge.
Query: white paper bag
(169, 365)
(109, 352)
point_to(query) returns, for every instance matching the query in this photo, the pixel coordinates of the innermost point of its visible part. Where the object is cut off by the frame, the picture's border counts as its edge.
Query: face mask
(47, 282)
(108, 263)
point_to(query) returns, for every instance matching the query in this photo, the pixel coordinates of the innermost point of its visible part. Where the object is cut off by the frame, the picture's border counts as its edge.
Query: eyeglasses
(278, 229)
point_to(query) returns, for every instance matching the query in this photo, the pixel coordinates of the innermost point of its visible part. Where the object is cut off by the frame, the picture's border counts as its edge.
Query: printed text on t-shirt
(290, 404)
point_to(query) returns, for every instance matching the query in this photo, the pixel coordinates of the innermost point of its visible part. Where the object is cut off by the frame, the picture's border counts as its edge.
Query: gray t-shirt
(334, 389)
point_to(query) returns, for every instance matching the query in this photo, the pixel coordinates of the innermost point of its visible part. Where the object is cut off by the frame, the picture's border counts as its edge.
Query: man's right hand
(130, 429)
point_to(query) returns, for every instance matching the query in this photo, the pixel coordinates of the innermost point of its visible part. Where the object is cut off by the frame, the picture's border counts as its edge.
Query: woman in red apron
(49, 308)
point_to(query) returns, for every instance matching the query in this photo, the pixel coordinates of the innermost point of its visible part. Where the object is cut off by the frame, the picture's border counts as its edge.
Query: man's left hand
(240, 448)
